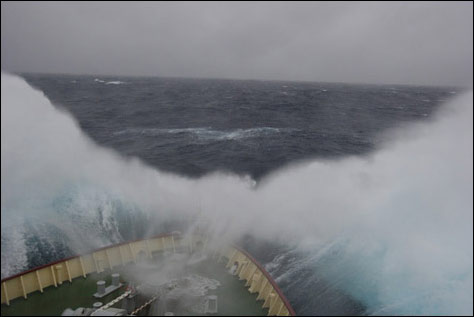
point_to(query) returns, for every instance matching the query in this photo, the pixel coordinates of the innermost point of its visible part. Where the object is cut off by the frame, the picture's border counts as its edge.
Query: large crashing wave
(393, 230)
(61, 194)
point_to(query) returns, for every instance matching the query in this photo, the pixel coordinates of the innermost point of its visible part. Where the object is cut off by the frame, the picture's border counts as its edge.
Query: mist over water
(392, 230)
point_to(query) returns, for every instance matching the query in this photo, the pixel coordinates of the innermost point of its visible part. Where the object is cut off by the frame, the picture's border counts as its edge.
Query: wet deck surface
(232, 295)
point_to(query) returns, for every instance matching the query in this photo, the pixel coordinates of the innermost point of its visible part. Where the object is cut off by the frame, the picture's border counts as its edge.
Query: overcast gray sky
(371, 42)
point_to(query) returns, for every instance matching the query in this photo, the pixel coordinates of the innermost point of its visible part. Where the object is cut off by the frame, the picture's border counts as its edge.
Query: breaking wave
(392, 231)
(207, 133)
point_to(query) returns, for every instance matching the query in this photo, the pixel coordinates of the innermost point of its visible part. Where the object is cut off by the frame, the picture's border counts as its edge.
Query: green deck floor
(233, 297)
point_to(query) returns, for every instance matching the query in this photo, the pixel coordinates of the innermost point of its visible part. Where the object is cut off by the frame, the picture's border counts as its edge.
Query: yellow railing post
(7, 299)
(279, 310)
(245, 266)
(54, 276)
(23, 286)
(68, 272)
(260, 293)
(58, 269)
(250, 276)
(39, 281)
(82, 267)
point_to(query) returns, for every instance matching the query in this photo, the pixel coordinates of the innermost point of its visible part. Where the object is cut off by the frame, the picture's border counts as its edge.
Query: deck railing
(258, 280)
(54, 274)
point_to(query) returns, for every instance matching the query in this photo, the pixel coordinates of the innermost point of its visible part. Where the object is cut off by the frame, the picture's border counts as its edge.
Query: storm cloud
(426, 43)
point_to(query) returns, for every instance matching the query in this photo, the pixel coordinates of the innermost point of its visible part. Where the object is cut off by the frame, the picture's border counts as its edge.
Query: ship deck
(233, 296)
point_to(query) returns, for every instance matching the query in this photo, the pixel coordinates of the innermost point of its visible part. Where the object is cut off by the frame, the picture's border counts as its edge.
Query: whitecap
(207, 133)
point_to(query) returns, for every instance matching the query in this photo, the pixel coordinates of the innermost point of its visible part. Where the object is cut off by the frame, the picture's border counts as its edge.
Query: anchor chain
(136, 311)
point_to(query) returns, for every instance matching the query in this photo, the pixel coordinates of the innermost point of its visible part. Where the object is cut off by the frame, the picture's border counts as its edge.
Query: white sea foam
(113, 82)
(14, 250)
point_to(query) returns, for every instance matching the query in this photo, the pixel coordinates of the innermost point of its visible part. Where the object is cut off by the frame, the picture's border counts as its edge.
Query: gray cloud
(405, 43)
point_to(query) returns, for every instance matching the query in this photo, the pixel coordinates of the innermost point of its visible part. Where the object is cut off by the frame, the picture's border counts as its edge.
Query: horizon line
(240, 79)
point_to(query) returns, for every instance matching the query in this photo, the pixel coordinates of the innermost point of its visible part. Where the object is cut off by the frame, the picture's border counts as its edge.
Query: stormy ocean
(335, 188)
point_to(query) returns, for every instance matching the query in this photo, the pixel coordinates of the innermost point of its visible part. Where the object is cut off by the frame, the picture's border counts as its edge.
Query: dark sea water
(193, 127)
